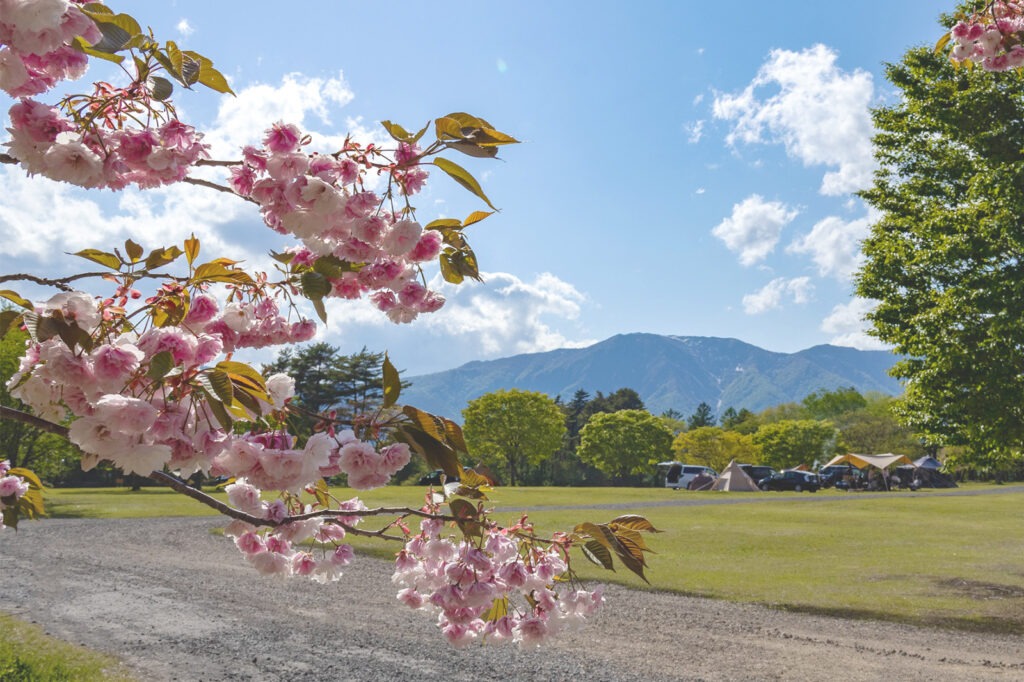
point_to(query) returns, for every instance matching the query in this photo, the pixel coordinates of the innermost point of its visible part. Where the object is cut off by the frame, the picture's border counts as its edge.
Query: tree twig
(12, 414)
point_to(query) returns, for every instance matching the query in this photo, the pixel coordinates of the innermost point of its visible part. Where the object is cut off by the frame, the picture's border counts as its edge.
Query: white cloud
(694, 131)
(506, 315)
(820, 113)
(848, 327)
(242, 120)
(834, 245)
(754, 227)
(700, 190)
(770, 297)
(185, 28)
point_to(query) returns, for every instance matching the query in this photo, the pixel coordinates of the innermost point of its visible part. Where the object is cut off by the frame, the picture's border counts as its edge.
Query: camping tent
(881, 462)
(735, 479)
(864, 461)
(928, 462)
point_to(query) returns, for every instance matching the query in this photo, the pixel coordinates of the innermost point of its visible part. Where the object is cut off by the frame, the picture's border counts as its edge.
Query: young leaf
(320, 308)
(79, 44)
(191, 248)
(133, 250)
(396, 131)
(475, 217)
(599, 554)
(634, 522)
(447, 129)
(462, 176)
(498, 610)
(102, 257)
(392, 383)
(16, 299)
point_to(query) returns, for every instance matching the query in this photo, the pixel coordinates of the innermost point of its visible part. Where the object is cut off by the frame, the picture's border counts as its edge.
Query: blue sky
(681, 173)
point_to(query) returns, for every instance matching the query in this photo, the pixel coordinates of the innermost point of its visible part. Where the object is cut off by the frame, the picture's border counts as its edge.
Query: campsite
(850, 472)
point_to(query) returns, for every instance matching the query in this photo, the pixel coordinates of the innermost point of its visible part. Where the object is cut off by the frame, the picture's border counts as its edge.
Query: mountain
(677, 372)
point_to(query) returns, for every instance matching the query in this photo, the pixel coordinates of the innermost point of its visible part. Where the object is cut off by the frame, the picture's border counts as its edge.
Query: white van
(679, 475)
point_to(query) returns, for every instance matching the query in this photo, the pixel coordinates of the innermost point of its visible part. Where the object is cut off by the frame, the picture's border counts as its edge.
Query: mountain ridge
(667, 371)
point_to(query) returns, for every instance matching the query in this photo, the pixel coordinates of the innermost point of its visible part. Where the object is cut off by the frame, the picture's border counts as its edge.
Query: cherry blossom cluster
(11, 488)
(992, 38)
(35, 44)
(497, 590)
(319, 199)
(279, 550)
(50, 144)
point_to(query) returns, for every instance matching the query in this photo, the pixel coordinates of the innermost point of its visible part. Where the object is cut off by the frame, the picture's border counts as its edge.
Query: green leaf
(113, 39)
(79, 44)
(220, 413)
(321, 310)
(8, 319)
(102, 257)
(462, 176)
(16, 299)
(462, 509)
(943, 41)
(392, 383)
(221, 383)
(215, 271)
(314, 285)
(331, 267)
(133, 250)
(161, 364)
(449, 270)
(26, 474)
(160, 88)
(322, 492)
(474, 150)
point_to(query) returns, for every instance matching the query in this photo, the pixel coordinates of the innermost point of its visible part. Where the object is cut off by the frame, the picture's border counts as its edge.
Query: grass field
(29, 655)
(913, 557)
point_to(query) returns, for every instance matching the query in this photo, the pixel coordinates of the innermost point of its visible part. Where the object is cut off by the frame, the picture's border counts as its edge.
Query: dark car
(797, 481)
(838, 475)
(434, 478)
(758, 472)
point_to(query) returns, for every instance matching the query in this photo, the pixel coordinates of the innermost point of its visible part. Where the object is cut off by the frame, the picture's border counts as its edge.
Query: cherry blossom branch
(62, 283)
(12, 414)
(220, 188)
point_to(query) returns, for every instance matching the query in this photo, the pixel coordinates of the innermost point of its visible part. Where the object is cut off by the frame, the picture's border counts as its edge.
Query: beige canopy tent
(882, 462)
(864, 461)
(735, 479)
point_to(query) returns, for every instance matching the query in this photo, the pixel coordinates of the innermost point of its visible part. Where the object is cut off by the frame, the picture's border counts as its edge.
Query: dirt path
(177, 603)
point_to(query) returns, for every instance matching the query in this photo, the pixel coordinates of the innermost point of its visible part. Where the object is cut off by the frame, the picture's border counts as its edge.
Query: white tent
(735, 479)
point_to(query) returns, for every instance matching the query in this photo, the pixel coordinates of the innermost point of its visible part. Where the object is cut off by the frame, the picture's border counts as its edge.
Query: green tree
(326, 379)
(702, 416)
(625, 444)
(945, 259)
(743, 421)
(791, 442)
(513, 430)
(621, 399)
(823, 404)
(49, 456)
(714, 447)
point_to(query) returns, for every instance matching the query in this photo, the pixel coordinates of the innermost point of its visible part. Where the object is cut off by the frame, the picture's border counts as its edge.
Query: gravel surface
(177, 602)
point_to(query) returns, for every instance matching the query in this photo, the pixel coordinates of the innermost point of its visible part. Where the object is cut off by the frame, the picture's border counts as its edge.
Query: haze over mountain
(669, 372)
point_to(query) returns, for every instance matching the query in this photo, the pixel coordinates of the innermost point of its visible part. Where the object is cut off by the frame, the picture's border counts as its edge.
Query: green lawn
(915, 557)
(29, 655)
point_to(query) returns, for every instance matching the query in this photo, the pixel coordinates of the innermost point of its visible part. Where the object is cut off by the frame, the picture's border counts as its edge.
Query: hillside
(677, 372)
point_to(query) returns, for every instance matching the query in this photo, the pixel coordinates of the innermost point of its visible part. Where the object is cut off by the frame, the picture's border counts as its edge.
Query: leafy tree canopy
(625, 443)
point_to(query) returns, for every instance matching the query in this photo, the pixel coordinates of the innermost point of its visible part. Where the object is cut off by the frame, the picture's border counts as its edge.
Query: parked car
(680, 475)
(758, 472)
(434, 478)
(794, 480)
(838, 475)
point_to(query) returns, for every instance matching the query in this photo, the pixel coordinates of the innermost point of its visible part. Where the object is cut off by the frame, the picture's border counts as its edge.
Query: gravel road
(177, 602)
